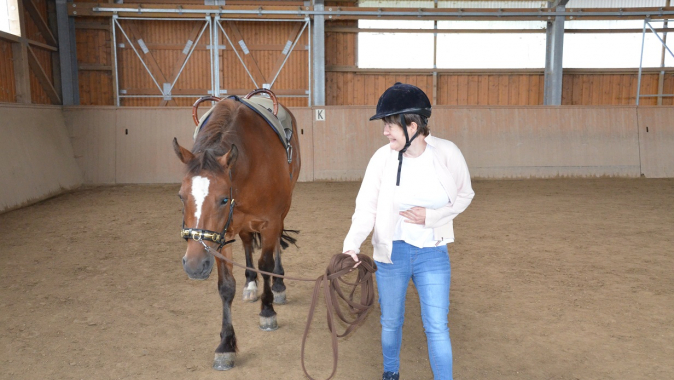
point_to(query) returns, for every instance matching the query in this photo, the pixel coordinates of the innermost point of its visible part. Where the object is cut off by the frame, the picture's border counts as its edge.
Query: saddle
(281, 123)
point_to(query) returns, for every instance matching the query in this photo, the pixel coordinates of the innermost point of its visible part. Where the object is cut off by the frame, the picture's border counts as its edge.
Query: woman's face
(394, 133)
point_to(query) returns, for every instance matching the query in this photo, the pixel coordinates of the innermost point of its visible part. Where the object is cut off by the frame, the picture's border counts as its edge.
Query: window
(395, 50)
(611, 50)
(392, 50)
(9, 17)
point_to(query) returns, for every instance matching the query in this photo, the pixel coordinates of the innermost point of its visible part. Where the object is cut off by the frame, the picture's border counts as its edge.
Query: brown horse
(239, 180)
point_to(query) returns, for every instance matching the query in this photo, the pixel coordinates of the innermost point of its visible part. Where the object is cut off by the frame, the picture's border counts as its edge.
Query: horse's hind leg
(270, 244)
(225, 354)
(250, 289)
(278, 288)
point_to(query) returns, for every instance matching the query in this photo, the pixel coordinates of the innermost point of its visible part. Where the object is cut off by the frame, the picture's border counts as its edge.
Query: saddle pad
(264, 107)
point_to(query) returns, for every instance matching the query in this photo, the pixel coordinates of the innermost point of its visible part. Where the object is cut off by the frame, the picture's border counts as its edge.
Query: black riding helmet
(401, 99)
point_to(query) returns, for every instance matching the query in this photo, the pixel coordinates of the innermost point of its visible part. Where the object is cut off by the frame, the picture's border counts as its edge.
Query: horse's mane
(215, 139)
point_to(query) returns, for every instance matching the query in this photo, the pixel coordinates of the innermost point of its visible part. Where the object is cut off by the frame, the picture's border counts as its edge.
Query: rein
(339, 266)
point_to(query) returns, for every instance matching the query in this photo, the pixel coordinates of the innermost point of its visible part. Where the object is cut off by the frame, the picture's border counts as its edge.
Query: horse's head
(206, 193)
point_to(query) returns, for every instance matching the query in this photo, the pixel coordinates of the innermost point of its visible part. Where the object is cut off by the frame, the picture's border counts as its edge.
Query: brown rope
(340, 265)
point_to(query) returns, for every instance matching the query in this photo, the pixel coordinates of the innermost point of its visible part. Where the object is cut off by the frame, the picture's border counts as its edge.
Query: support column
(661, 76)
(67, 54)
(318, 38)
(554, 49)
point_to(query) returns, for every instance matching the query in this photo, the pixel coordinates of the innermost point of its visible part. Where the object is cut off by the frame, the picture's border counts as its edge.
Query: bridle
(200, 235)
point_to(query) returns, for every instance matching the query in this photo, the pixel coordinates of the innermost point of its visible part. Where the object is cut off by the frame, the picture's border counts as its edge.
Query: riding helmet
(403, 98)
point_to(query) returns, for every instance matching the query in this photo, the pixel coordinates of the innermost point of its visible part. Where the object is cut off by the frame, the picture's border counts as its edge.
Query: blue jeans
(429, 268)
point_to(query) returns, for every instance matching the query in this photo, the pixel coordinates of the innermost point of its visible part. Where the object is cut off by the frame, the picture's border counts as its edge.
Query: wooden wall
(345, 83)
(94, 60)
(166, 40)
(355, 87)
(45, 57)
(7, 84)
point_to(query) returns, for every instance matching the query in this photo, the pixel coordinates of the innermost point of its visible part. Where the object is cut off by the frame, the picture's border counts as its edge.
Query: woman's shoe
(390, 376)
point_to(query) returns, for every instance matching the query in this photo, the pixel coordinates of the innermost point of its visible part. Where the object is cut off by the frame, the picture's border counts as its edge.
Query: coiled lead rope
(340, 265)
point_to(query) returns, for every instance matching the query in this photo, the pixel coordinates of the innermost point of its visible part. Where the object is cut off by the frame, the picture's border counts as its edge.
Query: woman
(412, 190)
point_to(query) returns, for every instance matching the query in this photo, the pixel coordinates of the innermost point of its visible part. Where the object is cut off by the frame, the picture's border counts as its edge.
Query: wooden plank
(606, 90)
(493, 90)
(614, 94)
(80, 24)
(482, 90)
(21, 69)
(40, 23)
(452, 90)
(153, 66)
(276, 70)
(576, 89)
(513, 89)
(625, 85)
(523, 94)
(668, 88)
(42, 77)
(21, 72)
(472, 90)
(358, 90)
(250, 61)
(585, 89)
(182, 58)
(93, 67)
(462, 91)
(503, 90)
(567, 89)
(7, 83)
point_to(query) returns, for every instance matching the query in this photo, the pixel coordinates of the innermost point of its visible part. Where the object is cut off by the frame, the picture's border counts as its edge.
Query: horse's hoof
(224, 361)
(249, 295)
(279, 297)
(268, 323)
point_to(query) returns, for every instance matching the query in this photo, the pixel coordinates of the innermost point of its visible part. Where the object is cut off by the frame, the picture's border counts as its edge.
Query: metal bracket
(166, 91)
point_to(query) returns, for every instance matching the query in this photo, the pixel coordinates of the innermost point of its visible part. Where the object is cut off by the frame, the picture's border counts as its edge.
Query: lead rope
(340, 265)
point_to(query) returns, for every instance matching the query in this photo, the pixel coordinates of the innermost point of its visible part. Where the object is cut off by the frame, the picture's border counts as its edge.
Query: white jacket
(375, 206)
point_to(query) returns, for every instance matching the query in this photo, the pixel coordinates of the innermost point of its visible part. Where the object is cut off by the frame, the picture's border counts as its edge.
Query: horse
(239, 180)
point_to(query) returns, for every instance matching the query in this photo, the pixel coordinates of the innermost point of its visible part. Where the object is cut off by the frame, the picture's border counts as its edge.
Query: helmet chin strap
(408, 142)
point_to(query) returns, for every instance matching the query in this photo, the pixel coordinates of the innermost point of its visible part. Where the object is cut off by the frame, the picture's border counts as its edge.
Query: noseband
(200, 235)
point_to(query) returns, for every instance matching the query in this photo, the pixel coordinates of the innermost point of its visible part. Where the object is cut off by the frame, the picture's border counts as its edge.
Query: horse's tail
(286, 239)
(257, 240)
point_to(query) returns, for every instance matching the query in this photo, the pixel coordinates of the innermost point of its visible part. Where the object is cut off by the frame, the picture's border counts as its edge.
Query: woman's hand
(415, 215)
(353, 254)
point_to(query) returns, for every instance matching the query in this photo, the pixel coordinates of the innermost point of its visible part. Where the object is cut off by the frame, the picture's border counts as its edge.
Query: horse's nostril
(207, 264)
(184, 261)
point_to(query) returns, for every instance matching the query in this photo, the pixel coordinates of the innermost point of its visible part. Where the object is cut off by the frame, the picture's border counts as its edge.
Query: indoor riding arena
(562, 265)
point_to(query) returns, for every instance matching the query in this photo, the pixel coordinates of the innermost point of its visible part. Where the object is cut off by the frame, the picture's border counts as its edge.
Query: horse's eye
(181, 197)
(225, 200)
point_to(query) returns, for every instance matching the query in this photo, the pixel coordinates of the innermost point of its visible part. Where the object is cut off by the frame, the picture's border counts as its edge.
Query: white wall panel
(37, 156)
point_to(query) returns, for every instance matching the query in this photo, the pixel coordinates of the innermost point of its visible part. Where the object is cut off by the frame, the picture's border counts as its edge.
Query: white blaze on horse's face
(199, 192)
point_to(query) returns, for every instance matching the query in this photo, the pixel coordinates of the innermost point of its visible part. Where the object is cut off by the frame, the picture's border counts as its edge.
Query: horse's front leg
(250, 289)
(270, 244)
(225, 354)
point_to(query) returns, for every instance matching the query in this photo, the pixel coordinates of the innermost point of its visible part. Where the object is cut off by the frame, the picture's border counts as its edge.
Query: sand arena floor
(551, 279)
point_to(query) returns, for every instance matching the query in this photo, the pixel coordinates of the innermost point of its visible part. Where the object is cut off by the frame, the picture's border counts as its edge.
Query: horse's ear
(183, 154)
(230, 157)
